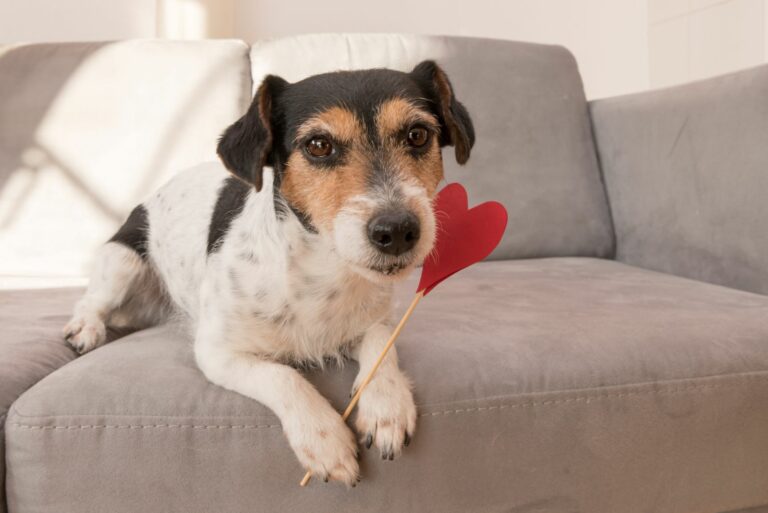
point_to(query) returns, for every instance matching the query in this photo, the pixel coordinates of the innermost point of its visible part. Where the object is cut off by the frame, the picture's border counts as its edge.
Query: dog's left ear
(246, 146)
(458, 130)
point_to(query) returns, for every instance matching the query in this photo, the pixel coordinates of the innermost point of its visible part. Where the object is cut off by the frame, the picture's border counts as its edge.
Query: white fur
(272, 294)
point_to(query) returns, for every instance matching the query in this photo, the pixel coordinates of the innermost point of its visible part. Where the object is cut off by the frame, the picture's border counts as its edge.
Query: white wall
(36, 21)
(608, 37)
(621, 45)
(695, 39)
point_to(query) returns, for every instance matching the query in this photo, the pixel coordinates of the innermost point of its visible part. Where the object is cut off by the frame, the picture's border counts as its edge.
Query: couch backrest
(534, 149)
(88, 130)
(686, 170)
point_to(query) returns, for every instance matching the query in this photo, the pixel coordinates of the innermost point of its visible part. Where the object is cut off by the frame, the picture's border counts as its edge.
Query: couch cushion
(543, 385)
(687, 173)
(534, 150)
(31, 346)
(87, 130)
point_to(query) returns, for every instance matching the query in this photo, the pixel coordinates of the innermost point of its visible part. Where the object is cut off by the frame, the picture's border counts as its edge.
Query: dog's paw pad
(84, 335)
(386, 417)
(325, 446)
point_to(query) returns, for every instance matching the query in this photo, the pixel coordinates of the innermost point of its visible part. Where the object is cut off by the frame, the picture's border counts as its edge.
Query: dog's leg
(386, 413)
(116, 270)
(320, 439)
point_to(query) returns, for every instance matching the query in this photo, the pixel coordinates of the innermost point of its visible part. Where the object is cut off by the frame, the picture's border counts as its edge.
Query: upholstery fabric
(89, 130)
(687, 173)
(534, 149)
(31, 346)
(571, 384)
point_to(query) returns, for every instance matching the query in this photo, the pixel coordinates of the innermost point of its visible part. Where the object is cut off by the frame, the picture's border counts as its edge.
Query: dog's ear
(458, 130)
(246, 146)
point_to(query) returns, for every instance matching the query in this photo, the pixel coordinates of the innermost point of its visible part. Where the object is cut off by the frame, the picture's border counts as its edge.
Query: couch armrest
(686, 170)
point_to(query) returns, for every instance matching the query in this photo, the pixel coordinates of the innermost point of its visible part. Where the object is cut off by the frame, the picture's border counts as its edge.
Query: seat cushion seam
(144, 426)
(584, 398)
(14, 412)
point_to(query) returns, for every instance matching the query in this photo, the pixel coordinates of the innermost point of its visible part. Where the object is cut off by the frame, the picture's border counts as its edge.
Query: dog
(285, 252)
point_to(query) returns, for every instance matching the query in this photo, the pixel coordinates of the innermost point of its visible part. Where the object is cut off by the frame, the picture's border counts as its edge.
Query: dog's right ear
(246, 146)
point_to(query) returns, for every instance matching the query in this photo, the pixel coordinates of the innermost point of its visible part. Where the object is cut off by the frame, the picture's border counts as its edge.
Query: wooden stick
(369, 377)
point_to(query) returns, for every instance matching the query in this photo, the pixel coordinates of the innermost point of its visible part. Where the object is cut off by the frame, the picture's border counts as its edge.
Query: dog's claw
(78, 348)
(407, 439)
(368, 441)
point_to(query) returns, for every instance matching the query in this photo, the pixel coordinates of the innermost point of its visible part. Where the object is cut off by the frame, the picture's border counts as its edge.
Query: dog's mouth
(392, 267)
(389, 269)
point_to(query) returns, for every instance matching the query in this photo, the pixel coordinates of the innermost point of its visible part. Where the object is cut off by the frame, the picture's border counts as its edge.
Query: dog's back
(180, 218)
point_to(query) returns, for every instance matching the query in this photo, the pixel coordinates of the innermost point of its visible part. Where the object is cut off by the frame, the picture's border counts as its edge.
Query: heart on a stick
(464, 235)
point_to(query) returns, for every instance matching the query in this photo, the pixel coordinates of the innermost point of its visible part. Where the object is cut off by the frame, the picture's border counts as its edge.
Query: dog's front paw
(85, 333)
(324, 445)
(386, 414)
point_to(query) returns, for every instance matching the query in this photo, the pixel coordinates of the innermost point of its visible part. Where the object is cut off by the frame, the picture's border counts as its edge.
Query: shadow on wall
(27, 90)
(87, 130)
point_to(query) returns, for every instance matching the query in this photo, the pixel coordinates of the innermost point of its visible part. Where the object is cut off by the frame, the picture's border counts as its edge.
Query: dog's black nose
(394, 233)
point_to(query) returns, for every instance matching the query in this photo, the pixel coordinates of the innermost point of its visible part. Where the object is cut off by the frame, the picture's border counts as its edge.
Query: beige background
(622, 46)
(608, 37)
(693, 39)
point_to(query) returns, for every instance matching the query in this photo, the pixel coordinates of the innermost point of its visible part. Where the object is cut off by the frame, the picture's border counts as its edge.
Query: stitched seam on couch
(584, 398)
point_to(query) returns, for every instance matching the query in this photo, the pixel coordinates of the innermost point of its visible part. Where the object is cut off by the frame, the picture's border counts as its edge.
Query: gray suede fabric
(687, 175)
(570, 384)
(31, 346)
(534, 150)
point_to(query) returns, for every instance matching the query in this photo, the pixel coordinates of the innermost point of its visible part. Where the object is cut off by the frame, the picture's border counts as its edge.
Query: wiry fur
(282, 272)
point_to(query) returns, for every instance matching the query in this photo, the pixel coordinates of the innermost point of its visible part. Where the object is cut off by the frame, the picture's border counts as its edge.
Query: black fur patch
(266, 134)
(303, 219)
(134, 232)
(232, 197)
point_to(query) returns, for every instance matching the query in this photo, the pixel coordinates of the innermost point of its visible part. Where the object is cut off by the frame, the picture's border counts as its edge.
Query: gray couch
(611, 357)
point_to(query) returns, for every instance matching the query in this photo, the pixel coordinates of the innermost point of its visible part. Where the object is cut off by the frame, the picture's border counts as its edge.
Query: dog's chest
(298, 299)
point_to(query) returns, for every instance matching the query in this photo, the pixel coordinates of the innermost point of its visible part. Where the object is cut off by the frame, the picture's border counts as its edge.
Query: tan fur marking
(322, 193)
(396, 114)
(339, 123)
(427, 171)
(392, 117)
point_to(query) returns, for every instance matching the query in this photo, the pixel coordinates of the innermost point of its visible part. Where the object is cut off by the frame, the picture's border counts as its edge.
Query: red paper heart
(464, 236)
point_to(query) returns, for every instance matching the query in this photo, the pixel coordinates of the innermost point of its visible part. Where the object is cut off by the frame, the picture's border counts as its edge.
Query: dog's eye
(319, 147)
(418, 136)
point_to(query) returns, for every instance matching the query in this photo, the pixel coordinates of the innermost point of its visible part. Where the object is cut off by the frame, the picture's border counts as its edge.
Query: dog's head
(356, 154)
